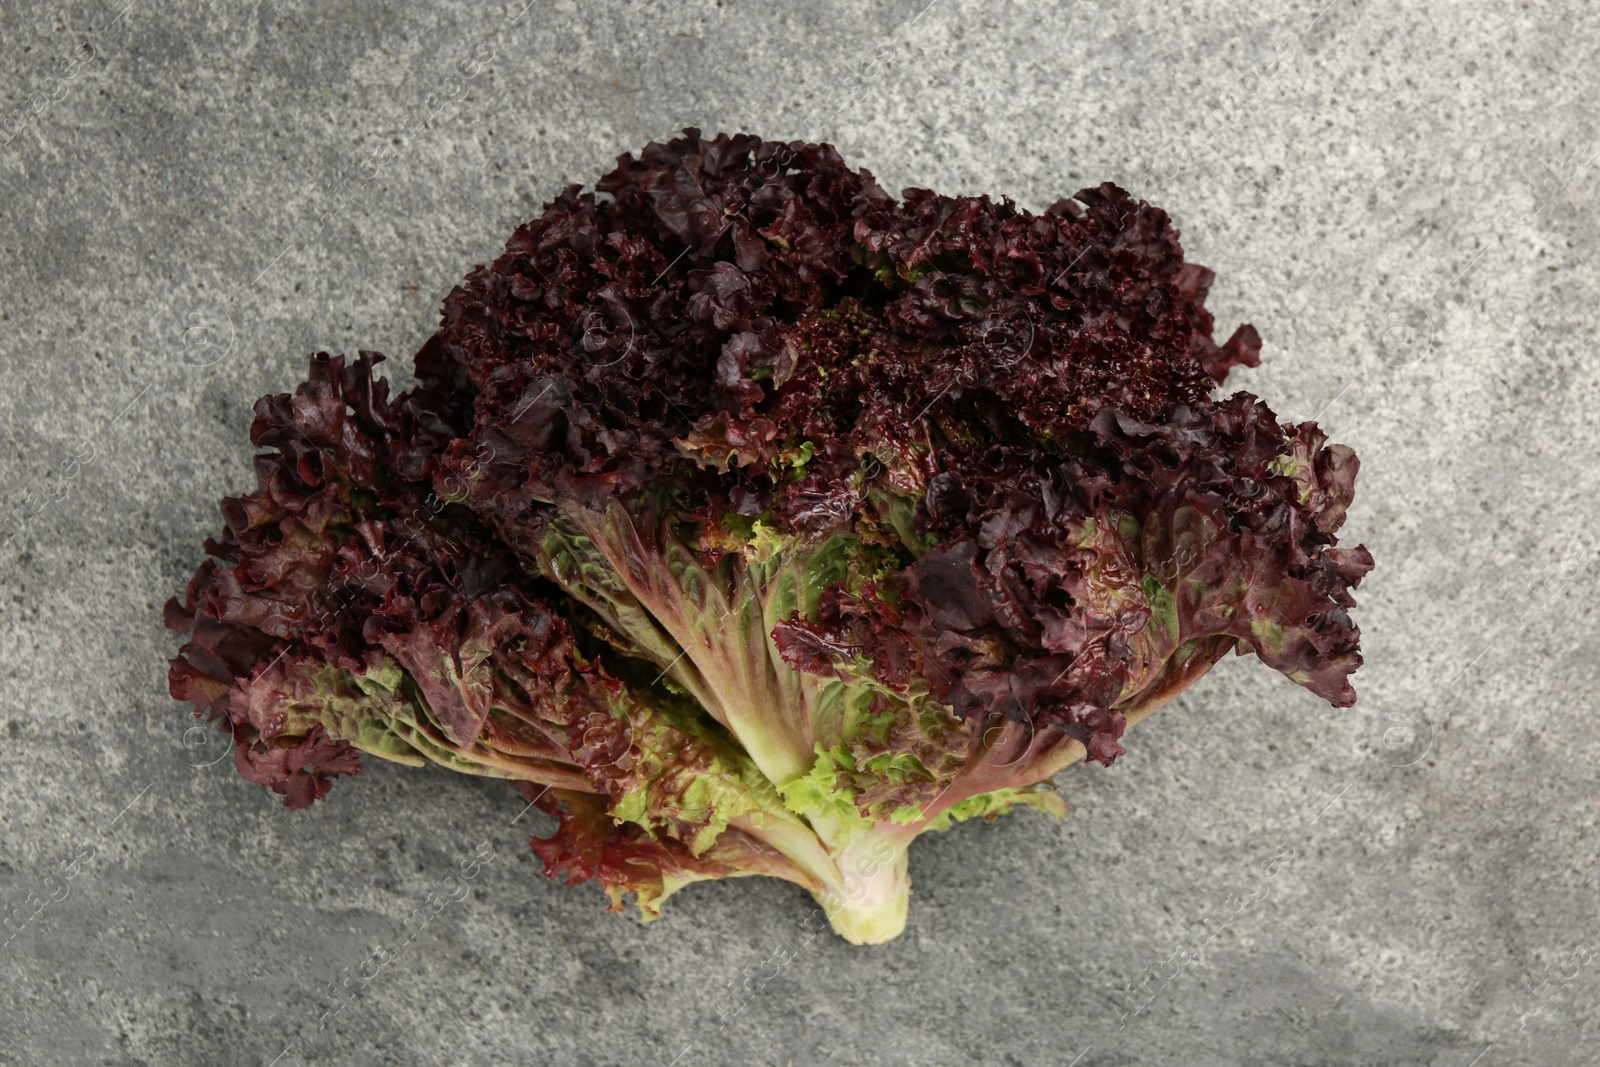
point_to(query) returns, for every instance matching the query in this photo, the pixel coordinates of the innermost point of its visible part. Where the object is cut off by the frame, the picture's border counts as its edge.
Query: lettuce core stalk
(751, 521)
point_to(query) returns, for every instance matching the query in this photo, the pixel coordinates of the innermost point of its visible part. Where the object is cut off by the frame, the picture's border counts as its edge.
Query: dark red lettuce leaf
(338, 556)
(589, 845)
(765, 296)
(1037, 602)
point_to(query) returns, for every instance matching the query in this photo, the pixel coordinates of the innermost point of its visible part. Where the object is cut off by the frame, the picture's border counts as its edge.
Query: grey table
(193, 197)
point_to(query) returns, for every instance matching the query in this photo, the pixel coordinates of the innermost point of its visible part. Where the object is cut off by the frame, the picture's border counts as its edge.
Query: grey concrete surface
(1400, 196)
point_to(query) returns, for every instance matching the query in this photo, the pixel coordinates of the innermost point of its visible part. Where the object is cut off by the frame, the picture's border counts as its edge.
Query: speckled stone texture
(1401, 197)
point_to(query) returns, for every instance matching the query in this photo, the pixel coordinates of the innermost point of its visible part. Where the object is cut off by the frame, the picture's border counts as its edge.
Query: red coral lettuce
(753, 521)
